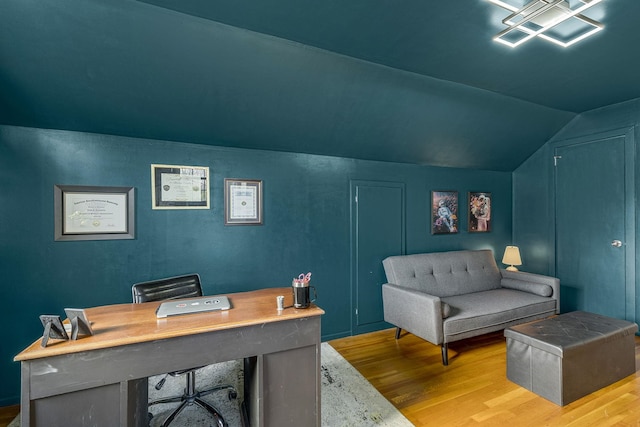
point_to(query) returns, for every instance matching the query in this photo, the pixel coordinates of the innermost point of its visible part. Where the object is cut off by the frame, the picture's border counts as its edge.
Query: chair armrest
(534, 283)
(414, 311)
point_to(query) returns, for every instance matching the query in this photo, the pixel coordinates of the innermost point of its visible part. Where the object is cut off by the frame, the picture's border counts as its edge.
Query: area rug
(348, 399)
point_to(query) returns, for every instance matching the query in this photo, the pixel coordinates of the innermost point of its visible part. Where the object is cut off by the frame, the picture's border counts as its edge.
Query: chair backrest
(187, 286)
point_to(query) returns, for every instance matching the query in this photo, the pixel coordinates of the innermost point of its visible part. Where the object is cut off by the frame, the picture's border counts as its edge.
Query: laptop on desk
(192, 305)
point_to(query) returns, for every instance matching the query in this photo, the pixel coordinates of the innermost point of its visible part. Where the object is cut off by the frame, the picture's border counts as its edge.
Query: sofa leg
(398, 332)
(445, 354)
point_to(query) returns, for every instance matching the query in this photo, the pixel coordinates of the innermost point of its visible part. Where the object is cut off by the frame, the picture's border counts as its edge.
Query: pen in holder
(301, 291)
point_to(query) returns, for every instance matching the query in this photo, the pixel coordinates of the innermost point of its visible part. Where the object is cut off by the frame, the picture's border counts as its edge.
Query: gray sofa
(449, 296)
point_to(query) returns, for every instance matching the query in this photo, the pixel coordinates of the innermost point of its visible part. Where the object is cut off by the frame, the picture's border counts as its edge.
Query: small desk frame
(102, 379)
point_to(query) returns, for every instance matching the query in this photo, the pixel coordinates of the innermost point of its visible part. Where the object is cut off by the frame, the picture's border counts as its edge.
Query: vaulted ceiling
(414, 81)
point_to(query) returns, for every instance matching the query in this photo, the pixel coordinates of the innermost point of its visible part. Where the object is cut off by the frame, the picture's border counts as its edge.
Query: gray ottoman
(566, 357)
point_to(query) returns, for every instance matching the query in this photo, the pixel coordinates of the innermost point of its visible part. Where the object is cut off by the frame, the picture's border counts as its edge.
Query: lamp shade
(512, 257)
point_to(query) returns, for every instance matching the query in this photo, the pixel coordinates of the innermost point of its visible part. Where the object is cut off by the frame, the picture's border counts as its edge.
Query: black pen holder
(302, 294)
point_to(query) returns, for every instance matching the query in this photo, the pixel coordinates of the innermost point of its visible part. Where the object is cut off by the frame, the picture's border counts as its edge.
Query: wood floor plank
(7, 414)
(473, 390)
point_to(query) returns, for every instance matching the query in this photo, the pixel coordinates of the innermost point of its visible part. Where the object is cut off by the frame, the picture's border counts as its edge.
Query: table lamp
(512, 257)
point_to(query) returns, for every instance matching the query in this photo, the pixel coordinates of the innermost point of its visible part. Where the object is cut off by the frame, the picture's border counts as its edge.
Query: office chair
(187, 286)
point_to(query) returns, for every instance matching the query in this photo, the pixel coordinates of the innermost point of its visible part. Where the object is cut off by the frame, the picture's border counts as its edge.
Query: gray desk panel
(293, 343)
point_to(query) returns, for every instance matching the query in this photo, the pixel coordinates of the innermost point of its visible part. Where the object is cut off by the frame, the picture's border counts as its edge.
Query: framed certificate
(179, 187)
(93, 213)
(242, 202)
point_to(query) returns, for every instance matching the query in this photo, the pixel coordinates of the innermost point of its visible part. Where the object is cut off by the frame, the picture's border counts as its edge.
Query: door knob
(616, 243)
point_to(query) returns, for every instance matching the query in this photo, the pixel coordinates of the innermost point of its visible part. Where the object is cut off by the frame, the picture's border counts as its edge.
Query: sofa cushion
(490, 308)
(444, 274)
(534, 288)
(446, 309)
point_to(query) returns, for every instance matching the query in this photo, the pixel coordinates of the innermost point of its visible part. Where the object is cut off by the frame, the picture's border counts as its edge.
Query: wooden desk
(101, 380)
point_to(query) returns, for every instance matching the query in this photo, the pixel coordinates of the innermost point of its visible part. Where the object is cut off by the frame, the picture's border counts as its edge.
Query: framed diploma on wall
(242, 202)
(179, 187)
(93, 213)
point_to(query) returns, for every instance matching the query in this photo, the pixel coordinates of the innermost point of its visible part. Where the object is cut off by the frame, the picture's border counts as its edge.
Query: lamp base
(511, 268)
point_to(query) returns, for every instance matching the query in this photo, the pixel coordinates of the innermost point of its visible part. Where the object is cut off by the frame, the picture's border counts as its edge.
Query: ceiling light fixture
(543, 18)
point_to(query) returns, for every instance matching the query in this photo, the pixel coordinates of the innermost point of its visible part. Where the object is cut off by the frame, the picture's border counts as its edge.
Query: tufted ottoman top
(561, 334)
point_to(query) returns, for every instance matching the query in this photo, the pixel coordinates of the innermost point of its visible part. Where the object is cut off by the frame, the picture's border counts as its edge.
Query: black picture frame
(242, 201)
(180, 187)
(93, 212)
(479, 212)
(444, 212)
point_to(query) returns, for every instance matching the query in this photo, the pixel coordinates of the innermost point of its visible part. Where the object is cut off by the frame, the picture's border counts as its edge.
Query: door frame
(631, 264)
(353, 233)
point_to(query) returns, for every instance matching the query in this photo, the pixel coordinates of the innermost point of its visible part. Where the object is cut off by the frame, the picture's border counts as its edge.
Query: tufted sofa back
(444, 274)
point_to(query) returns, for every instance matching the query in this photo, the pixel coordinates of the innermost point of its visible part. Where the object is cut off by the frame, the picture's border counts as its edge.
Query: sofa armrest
(534, 283)
(413, 311)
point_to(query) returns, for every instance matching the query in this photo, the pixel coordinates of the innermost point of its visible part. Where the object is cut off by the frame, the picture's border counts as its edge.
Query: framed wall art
(179, 187)
(479, 212)
(242, 202)
(444, 212)
(93, 213)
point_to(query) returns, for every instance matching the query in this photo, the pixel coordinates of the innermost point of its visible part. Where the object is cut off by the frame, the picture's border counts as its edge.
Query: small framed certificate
(242, 202)
(179, 187)
(93, 213)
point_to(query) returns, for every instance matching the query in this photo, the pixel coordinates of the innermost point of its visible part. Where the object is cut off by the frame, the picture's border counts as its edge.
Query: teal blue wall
(533, 227)
(306, 226)
(532, 212)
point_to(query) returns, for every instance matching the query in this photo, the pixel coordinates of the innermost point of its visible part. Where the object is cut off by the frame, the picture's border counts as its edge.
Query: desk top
(122, 324)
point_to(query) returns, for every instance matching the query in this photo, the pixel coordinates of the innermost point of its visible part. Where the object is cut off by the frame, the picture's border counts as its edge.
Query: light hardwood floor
(473, 390)
(7, 414)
